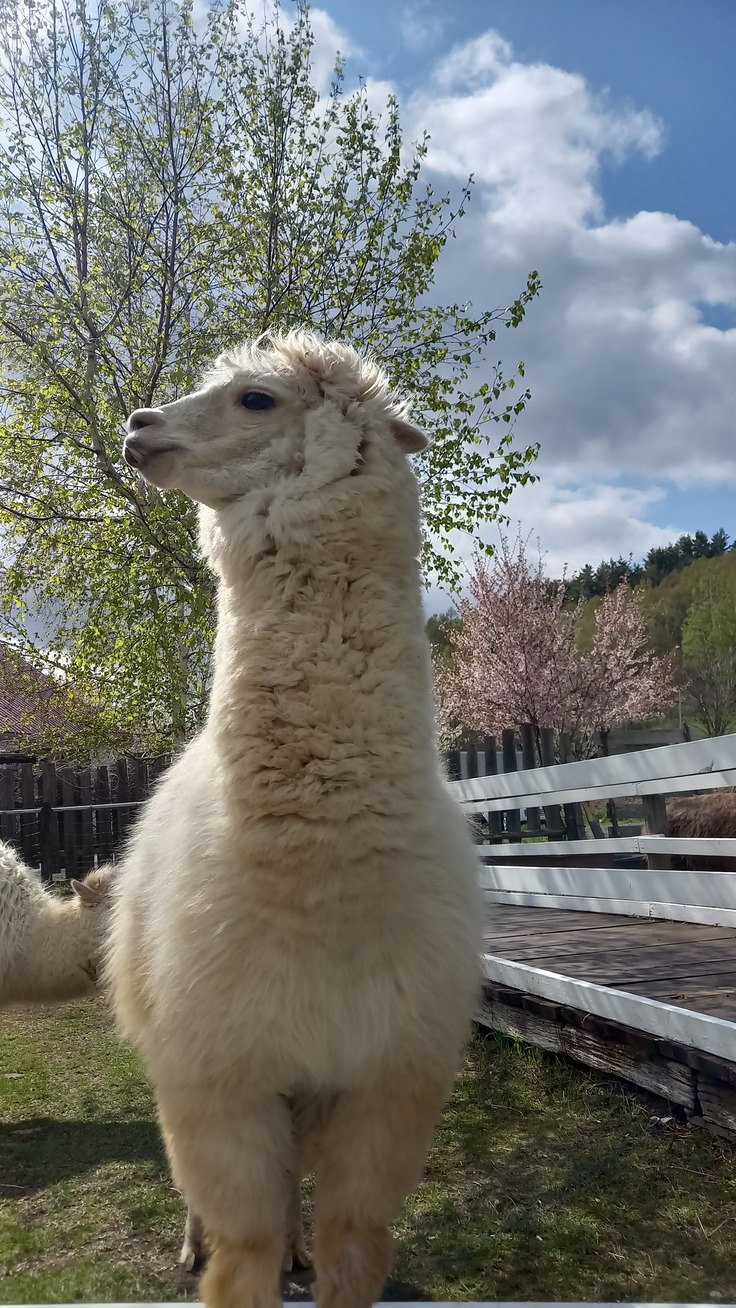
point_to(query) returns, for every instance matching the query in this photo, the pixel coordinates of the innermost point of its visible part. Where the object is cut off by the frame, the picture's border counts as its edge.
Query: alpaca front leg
(234, 1163)
(372, 1154)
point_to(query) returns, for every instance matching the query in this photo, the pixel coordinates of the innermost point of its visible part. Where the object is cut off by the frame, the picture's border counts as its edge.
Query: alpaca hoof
(192, 1257)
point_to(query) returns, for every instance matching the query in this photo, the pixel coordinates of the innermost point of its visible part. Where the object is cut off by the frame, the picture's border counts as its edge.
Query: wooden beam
(701, 757)
(642, 1066)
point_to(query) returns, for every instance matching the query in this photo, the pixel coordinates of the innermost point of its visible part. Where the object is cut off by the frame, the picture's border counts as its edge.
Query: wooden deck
(655, 969)
(678, 963)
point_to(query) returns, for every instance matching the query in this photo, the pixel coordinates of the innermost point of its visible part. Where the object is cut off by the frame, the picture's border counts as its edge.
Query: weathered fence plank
(122, 792)
(69, 821)
(87, 852)
(552, 819)
(103, 816)
(494, 820)
(49, 826)
(529, 760)
(8, 823)
(655, 817)
(510, 764)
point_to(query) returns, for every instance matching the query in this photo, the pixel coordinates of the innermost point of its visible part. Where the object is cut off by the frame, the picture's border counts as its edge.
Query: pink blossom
(518, 656)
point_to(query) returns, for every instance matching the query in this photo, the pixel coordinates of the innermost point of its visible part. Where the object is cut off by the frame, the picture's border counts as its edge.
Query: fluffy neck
(322, 668)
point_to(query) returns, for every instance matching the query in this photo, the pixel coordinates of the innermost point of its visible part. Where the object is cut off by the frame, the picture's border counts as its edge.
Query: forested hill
(661, 562)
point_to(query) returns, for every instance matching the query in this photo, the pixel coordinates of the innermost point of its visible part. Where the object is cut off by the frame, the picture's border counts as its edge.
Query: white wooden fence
(699, 896)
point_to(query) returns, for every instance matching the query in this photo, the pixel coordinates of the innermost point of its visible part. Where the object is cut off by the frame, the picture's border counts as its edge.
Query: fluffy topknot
(337, 369)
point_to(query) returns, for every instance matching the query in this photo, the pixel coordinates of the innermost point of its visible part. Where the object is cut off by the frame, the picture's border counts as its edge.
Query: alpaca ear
(411, 439)
(88, 896)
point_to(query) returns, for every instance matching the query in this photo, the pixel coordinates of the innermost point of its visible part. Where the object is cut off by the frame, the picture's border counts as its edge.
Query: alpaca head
(91, 912)
(95, 890)
(291, 411)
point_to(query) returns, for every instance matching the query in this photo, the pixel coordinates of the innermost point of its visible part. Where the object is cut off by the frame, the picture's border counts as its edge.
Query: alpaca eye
(257, 400)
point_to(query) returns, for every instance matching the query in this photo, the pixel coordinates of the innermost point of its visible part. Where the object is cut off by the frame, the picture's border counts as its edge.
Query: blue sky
(603, 140)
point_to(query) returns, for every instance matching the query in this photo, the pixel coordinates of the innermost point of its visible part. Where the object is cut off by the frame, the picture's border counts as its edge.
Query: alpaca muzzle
(140, 449)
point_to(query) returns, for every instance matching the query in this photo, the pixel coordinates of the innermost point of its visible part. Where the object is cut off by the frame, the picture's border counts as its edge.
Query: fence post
(49, 839)
(476, 819)
(46, 842)
(453, 765)
(85, 797)
(574, 820)
(140, 775)
(103, 815)
(69, 821)
(495, 820)
(8, 823)
(29, 821)
(123, 793)
(552, 819)
(655, 817)
(529, 759)
(508, 750)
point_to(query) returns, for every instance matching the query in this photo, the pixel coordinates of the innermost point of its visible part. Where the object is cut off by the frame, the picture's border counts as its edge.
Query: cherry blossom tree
(519, 657)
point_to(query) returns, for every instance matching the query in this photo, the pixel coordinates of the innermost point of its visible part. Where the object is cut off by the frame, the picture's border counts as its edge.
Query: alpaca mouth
(140, 456)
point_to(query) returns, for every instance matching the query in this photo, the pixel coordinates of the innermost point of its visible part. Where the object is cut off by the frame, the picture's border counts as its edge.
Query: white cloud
(329, 40)
(532, 133)
(629, 383)
(421, 25)
(565, 520)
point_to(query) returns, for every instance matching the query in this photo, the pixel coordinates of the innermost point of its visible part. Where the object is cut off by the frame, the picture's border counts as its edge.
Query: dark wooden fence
(67, 819)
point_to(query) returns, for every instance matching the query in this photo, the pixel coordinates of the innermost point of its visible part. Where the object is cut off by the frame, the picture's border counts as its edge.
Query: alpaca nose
(143, 418)
(145, 429)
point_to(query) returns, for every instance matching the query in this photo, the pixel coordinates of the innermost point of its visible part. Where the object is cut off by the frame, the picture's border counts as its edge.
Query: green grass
(545, 1182)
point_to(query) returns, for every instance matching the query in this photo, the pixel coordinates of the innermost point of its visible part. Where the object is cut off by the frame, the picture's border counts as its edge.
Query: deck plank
(685, 964)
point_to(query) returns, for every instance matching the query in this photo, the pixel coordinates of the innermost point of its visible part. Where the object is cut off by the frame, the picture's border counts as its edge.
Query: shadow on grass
(38, 1152)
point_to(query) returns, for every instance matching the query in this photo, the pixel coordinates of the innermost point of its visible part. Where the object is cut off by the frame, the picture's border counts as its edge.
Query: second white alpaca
(50, 948)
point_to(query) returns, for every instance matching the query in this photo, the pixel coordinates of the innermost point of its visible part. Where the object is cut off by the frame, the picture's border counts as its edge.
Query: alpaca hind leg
(193, 1250)
(372, 1154)
(296, 1256)
(234, 1163)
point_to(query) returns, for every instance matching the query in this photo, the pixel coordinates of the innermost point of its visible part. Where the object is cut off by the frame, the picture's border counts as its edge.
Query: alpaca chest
(303, 1003)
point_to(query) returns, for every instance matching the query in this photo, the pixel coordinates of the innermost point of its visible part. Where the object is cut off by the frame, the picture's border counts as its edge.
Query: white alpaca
(295, 943)
(50, 948)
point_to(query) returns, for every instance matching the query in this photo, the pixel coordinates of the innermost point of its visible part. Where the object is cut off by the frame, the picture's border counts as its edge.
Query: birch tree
(168, 188)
